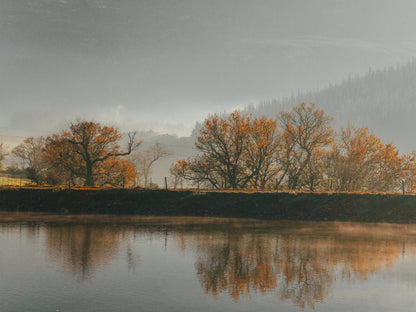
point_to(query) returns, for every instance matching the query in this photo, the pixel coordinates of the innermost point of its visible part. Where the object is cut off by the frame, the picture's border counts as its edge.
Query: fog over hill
(178, 148)
(142, 64)
(382, 100)
(163, 65)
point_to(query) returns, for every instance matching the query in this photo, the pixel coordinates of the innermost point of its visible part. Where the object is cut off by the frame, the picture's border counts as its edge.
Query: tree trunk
(89, 179)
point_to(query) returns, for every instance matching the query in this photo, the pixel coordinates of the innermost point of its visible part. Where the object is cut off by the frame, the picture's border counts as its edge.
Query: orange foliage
(408, 172)
(90, 152)
(236, 152)
(116, 172)
(306, 130)
(359, 161)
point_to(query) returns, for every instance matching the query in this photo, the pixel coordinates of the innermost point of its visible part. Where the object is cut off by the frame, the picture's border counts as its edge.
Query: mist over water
(162, 66)
(204, 264)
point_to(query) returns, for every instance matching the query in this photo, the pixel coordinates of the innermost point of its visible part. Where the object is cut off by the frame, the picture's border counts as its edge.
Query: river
(105, 263)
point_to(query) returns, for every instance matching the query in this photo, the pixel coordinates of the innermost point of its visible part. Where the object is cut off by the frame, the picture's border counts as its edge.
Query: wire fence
(169, 183)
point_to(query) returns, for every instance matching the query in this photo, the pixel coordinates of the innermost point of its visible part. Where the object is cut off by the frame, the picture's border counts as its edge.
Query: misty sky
(165, 64)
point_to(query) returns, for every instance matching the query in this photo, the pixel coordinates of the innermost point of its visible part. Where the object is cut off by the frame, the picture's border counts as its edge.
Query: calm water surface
(93, 263)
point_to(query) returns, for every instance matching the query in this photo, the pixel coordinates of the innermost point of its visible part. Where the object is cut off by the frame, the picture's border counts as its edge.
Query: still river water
(104, 263)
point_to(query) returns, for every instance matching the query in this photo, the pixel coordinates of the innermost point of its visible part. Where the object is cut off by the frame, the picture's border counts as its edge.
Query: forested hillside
(382, 100)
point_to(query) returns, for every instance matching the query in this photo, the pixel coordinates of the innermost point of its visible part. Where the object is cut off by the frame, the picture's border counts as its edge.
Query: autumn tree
(199, 171)
(313, 175)
(351, 158)
(306, 129)
(387, 169)
(235, 152)
(222, 141)
(359, 161)
(116, 172)
(144, 160)
(177, 179)
(3, 153)
(239, 151)
(408, 172)
(85, 149)
(31, 157)
(263, 144)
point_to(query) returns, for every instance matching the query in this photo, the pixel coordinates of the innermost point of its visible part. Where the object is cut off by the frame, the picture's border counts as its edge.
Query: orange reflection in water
(298, 261)
(82, 248)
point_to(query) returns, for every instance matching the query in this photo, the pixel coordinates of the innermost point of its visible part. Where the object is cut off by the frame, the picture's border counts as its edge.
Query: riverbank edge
(389, 208)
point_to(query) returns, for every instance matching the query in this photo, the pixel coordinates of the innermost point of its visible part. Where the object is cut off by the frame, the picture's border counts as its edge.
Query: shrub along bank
(270, 206)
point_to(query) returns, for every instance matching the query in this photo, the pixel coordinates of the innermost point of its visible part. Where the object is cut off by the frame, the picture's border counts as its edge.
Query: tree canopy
(89, 151)
(298, 150)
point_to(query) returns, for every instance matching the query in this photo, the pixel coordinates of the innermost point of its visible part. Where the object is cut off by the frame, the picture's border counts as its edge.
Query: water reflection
(296, 261)
(82, 249)
(299, 261)
(299, 268)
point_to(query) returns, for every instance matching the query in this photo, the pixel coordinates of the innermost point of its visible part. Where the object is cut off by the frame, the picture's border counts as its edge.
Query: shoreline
(352, 207)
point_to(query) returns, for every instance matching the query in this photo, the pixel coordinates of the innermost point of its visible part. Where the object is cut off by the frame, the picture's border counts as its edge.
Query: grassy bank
(272, 206)
(6, 180)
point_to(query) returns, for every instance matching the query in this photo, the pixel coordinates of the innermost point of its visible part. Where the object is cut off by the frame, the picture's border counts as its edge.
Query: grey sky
(165, 64)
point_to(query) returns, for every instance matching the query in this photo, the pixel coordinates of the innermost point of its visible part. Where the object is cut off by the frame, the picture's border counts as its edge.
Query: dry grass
(13, 183)
(9, 181)
(294, 192)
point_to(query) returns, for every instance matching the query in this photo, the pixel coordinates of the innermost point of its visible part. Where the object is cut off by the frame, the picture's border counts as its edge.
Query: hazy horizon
(165, 65)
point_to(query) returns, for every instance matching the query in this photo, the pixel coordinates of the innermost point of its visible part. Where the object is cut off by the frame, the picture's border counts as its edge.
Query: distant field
(5, 180)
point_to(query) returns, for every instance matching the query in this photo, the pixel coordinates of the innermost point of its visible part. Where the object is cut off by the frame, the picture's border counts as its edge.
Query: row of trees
(299, 150)
(86, 154)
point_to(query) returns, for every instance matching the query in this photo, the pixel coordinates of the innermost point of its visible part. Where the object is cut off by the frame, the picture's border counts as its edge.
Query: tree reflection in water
(299, 261)
(82, 248)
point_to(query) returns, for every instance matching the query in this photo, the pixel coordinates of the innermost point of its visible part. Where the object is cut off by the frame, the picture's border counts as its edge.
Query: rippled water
(102, 263)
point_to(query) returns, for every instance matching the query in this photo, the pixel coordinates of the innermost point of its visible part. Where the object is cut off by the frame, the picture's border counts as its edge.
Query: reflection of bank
(299, 264)
(298, 261)
(82, 248)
